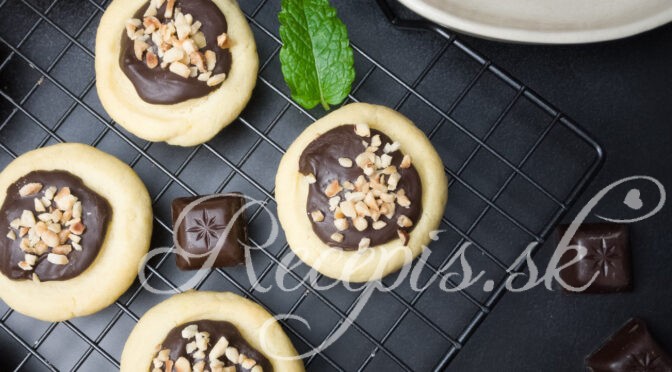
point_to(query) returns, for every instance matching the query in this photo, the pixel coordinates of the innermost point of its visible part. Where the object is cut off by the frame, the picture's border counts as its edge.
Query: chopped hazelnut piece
(375, 141)
(66, 217)
(403, 235)
(405, 162)
(333, 189)
(40, 248)
(39, 207)
(191, 347)
(393, 181)
(30, 259)
(62, 249)
(15, 224)
(362, 130)
(40, 228)
(173, 55)
(337, 237)
(50, 238)
(151, 11)
(310, 178)
(248, 363)
(139, 47)
(202, 340)
(163, 355)
(199, 39)
(76, 246)
(170, 6)
(57, 259)
(348, 209)
(222, 40)
(219, 348)
(27, 219)
(198, 59)
(317, 216)
(77, 228)
(25, 266)
(404, 221)
(333, 202)
(345, 162)
(204, 76)
(131, 26)
(403, 201)
(360, 223)
(257, 368)
(63, 236)
(190, 331)
(11, 235)
(231, 354)
(379, 225)
(151, 59)
(341, 224)
(364, 243)
(179, 69)
(391, 147)
(195, 26)
(77, 210)
(210, 59)
(362, 209)
(216, 79)
(199, 366)
(50, 192)
(182, 365)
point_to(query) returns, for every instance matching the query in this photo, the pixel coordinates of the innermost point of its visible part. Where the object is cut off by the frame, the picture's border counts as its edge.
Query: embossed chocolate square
(203, 225)
(607, 254)
(631, 348)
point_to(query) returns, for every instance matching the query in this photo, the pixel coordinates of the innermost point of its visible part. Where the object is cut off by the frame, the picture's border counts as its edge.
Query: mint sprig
(316, 57)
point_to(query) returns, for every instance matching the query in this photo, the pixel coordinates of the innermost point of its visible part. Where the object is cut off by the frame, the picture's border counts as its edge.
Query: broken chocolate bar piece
(607, 253)
(202, 227)
(630, 349)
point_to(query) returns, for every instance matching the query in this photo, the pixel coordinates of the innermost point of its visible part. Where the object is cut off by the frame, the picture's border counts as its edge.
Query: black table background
(621, 92)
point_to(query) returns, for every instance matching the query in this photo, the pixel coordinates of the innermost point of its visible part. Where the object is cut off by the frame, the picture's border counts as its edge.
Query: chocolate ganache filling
(159, 85)
(351, 207)
(179, 346)
(29, 223)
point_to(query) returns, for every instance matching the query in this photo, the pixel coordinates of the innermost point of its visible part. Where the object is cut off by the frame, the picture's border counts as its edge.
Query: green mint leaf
(316, 56)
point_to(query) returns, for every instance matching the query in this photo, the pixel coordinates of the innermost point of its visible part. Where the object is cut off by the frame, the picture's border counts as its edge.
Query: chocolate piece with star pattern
(607, 254)
(204, 224)
(630, 349)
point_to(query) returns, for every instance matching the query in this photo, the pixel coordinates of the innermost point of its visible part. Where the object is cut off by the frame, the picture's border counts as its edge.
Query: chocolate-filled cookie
(175, 70)
(197, 331)
(75, 224)
(360, 193)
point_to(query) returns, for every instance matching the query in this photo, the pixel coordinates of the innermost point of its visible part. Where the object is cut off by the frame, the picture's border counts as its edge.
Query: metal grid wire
(503, 148)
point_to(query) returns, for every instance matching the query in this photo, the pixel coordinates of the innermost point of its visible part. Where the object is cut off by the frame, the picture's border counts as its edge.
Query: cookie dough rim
(186, 123)
(126, 242)
(247, 316)
(292, 192)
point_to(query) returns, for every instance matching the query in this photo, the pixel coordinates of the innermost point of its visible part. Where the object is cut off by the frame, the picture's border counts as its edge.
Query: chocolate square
(608, 252)
(203, 225)
(630, 349)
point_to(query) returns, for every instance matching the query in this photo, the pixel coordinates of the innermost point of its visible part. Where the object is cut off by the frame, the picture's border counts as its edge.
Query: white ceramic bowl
(546, 21)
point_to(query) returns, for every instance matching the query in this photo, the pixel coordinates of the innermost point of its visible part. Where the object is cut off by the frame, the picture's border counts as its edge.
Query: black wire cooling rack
(515, 164)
